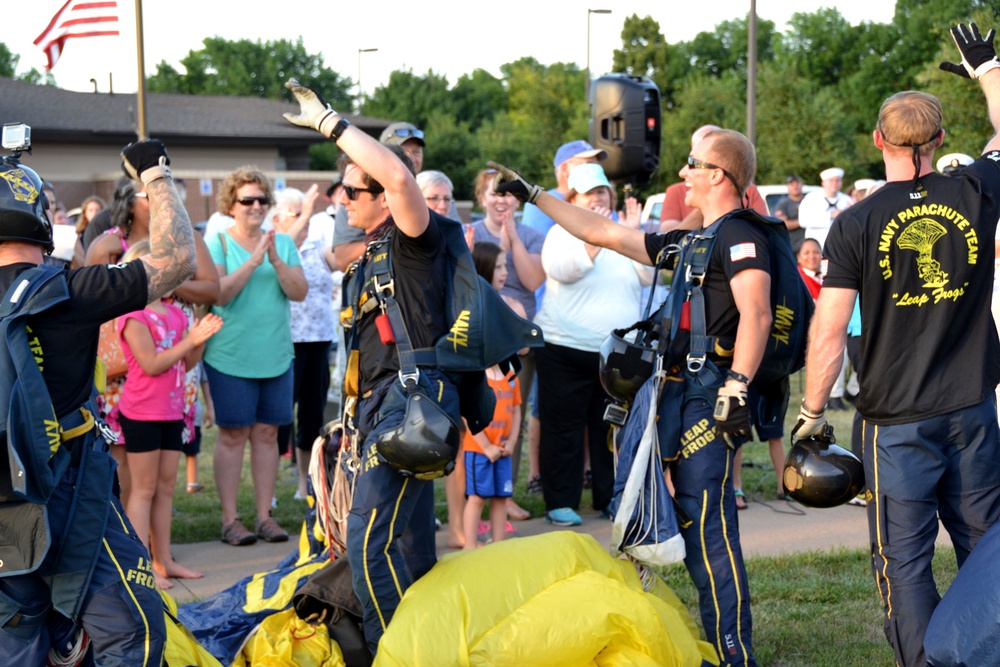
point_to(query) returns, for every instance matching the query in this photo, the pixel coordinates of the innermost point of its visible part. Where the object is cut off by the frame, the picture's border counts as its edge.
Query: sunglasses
(352, 193)
(249, 201)
(695, 163)
(408, 133)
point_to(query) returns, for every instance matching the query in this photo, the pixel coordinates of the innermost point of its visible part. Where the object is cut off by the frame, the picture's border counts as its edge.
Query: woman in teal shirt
(250, 368)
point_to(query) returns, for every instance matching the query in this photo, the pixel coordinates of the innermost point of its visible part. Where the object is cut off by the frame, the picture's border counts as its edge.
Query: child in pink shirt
(159, 349)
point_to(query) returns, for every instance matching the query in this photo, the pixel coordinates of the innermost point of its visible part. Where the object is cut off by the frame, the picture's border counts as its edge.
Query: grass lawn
(810, 610)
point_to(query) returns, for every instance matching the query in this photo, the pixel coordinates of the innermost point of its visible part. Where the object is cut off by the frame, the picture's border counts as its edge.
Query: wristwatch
(739, 377)
(339, 128)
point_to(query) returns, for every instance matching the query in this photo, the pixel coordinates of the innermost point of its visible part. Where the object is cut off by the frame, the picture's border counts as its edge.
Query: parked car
(773, 194)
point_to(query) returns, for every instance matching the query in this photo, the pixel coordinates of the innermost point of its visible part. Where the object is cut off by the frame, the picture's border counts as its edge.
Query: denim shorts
(241, 402)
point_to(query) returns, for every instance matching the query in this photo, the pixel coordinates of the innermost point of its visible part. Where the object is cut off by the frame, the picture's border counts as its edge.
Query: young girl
(158, 348)
(488, 473)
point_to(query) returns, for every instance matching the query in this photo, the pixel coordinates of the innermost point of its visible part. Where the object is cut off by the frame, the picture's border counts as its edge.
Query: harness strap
(67, 432)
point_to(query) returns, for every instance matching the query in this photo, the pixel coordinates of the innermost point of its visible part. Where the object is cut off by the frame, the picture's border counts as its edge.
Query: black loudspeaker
(625, 120)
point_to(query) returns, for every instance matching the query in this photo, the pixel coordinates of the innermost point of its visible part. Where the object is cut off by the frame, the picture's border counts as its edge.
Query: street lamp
(361, 102)
(586, 83)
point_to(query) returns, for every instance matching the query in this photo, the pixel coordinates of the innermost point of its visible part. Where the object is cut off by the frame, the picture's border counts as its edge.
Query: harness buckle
(695, 362)
(413, 376)
(384, 291)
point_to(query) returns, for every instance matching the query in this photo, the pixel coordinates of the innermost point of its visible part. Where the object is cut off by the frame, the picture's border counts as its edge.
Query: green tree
(255, 69)
(478, 97)
(725, 48)
(8, 61)
(645, 52)
(409, 97)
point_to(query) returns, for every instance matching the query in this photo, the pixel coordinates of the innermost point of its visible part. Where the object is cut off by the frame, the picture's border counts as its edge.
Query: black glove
(732, 413)
(314, 111)
(509, 181)
(978, 54)
(146, 161)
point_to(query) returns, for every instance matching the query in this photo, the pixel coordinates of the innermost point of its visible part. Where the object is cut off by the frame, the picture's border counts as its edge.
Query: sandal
(236, 534)
(269, 531)
(535, 485)
(741, 500)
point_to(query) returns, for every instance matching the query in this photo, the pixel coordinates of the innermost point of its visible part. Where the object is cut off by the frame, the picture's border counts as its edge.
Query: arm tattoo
(172, 258)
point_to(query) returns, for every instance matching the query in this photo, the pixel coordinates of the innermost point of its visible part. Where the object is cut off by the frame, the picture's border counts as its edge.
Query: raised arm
(979, 61)
(585, 225)
(171, 259)
(402, 194)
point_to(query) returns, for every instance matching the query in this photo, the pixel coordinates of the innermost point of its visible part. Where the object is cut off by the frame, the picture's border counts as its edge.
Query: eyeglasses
(352, 193)
(439, 200)
(249, 201)
(695, 163)
(408, 133)
(143, 195)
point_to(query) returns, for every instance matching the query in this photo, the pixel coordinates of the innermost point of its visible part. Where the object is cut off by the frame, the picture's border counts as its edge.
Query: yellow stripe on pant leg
(142, 614)
(368, 579)
(732, 561)
(392, 527)
(877, 499)
(708, 569)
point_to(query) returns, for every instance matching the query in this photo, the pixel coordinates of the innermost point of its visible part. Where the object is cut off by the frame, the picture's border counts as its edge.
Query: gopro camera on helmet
(16, 138)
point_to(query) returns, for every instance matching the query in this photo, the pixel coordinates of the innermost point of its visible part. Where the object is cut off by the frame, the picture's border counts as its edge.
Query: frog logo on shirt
(920, 237)
(919, 229)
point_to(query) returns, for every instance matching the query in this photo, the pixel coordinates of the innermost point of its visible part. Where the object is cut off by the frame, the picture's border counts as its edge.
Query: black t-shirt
(66, 346)
(419, 267)
(924, 269)
(739, 245)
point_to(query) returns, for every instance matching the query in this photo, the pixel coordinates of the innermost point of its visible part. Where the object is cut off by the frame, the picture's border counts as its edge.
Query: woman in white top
(588, 292)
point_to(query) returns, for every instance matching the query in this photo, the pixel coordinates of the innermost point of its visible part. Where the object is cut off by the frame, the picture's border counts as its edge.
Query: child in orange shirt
(488, 473)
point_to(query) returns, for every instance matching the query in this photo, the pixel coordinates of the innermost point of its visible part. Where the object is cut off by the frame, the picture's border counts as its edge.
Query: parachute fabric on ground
(223, 622)
(645, 525)
(552, 600)
(964, 627)
(182, 649)
(285, 639)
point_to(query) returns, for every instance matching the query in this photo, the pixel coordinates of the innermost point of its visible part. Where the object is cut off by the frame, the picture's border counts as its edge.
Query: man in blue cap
(568, 156)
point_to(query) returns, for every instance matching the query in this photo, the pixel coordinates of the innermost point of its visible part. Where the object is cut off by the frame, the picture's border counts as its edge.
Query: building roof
(55, 114)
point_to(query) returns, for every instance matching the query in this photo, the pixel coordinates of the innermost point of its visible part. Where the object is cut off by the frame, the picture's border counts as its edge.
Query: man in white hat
(820, 207)
(952, 162)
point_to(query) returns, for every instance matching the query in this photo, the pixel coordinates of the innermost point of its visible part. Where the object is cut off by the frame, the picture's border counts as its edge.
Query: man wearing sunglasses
(348, 241)
(715, 418)
(390, 530)
(676, 214)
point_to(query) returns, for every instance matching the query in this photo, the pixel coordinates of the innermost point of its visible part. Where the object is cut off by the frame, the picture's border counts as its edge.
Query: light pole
(361, 99)
(586, 83)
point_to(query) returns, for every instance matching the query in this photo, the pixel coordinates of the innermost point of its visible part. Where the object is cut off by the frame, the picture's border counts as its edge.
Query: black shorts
(193, 448)
(143, 436)
(768, 405)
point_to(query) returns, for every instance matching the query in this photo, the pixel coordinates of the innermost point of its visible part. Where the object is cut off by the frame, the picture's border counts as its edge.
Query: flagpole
(141, 129)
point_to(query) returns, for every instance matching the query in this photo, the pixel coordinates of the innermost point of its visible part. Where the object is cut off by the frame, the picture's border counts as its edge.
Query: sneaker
(237, 534)
(269, 531)
(563, 516)
(858, 500)
(606, 514)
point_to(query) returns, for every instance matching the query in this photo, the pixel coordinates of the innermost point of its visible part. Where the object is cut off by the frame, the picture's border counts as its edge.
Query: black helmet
(22, 206)
(821, 473)
(425, 444)
(625, 365)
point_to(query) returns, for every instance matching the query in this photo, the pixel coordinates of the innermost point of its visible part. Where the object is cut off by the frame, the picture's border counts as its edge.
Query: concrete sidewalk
(766, 529)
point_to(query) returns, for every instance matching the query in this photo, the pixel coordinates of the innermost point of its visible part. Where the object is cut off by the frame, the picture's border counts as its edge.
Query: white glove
(810, 424)
(314, 111)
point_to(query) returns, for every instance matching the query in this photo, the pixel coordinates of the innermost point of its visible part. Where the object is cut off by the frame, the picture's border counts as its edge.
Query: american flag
(77, 18)
(742, 251)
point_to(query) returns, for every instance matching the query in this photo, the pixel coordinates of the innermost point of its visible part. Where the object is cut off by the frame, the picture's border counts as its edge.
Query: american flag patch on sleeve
(742, 251)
